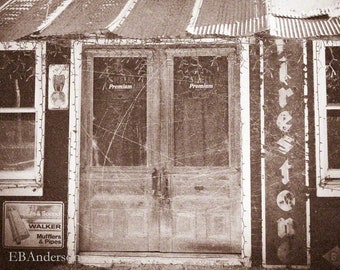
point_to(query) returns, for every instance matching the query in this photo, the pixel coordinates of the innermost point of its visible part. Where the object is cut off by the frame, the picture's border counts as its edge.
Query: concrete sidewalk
(152, 267)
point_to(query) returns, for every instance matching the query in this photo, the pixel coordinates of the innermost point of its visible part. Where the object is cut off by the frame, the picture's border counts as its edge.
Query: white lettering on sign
(285, 144)
(201, 86)
(279, 45)
(283, 72)
(283, 120)
(285, 172)
(285, 200)
(283, 94)
(120, 86)
(285, 227)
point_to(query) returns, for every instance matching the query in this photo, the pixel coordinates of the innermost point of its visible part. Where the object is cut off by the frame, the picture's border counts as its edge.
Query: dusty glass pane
(333, 74)
(201, 111)
(333, 126)
(17, 135)
(119, 124)
(17, 79)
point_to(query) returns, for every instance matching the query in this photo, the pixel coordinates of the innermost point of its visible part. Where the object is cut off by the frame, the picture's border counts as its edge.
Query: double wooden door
(160, 151)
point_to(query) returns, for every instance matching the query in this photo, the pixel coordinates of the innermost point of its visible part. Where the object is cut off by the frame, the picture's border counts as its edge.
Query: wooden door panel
(203, 212)
(203, 182)
(102, 224)
(120, 229)
(184, 224)
(203, 232)
(122, 211)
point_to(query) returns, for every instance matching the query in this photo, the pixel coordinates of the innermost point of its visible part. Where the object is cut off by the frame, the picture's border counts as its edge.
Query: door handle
(155, 183)
(160, 184)
(164, 183)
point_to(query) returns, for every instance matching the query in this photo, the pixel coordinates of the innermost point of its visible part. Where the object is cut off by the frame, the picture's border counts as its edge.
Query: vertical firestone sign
(285, 199)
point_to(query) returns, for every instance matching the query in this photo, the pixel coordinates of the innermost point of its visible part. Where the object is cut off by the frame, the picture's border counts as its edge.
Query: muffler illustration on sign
(18, 228)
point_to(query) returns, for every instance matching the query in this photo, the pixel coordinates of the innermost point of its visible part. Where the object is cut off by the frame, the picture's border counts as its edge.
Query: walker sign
(33, 224)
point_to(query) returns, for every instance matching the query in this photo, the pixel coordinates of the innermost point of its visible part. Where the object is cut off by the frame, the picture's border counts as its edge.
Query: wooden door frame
(76, 74)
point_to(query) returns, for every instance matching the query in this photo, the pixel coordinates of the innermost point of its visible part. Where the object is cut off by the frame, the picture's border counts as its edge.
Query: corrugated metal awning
(140, 19)
(228, 18)
(304, 28)
(300, 8)
(151, 19)
(85, 17)
(19, 18)
(303, 19)
(157, 19)
(285, 19)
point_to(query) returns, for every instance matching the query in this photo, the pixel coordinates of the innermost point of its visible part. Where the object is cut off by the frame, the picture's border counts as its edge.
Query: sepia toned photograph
(169, 134)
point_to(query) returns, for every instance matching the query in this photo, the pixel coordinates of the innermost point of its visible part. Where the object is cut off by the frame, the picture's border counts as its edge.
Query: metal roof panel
(302, 8)
(152, 19)
(238, 18)
(84, 17)
(157, 19)
(20, 18)
(305, 28)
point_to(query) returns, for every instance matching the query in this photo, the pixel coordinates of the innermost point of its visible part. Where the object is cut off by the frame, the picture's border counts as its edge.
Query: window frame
(10, 185)
(327, 180)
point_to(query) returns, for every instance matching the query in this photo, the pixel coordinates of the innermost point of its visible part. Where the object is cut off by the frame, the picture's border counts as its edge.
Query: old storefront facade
(181, 132)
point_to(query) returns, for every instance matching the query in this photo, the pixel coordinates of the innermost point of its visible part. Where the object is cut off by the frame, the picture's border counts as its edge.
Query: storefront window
(17, 129)
(17, 142)
(327, 116)
(333, 105)
(21, 121)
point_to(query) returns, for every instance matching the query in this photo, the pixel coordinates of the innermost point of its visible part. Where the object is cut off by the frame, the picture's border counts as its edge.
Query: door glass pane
(333, 126)
(17, 135)
(17, 79)
(201, 111)
(119, 109)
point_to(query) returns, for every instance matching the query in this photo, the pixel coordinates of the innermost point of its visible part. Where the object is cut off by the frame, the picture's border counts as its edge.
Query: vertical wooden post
(245, 149)
(74, 150)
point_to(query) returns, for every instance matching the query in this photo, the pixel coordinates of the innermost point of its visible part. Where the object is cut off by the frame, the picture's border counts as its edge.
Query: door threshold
(108, 259)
